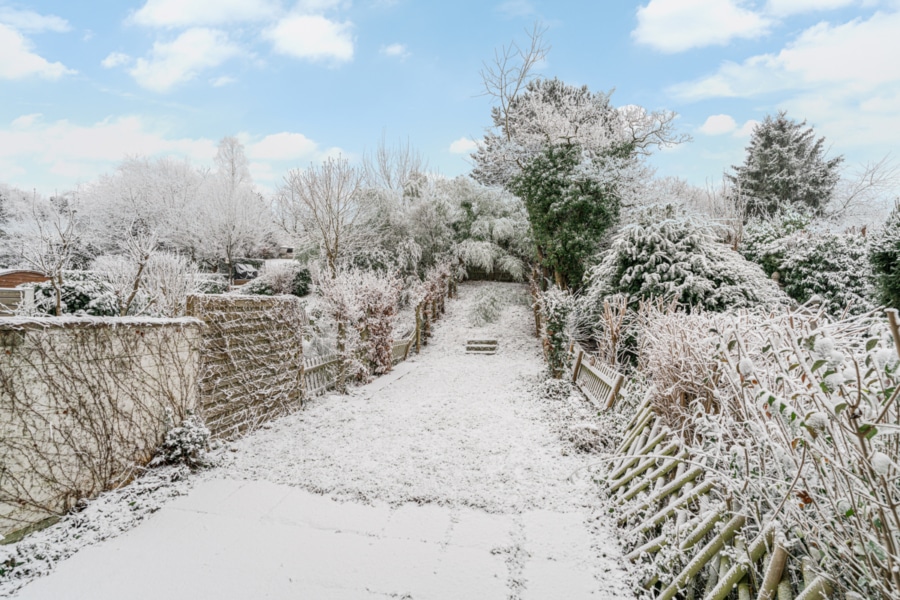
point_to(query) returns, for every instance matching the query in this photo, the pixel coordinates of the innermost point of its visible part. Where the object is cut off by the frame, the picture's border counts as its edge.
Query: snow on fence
(766, 465)
(599, 382)
(320, 374)
(400, 349)
(84, 403)
(251, 367)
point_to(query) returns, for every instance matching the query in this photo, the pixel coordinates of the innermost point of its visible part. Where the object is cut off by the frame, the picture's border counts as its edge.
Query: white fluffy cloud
(312, 37)
(187, 13)
(71, 153)
(395, 50)
(463, 145)
(784, 8)
(858, 56)
(18, 60)
(283, 146)
(718, 125)
(180, 60)
(115, 59)
(746, 130)
(678, 25)
(32, 22)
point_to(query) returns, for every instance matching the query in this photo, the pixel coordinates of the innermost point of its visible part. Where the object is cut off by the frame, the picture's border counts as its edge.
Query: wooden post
(577, 366)
(418, 329)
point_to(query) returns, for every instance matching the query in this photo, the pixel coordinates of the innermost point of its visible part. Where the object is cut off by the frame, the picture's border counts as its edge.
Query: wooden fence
(599, 382)
(320, 374)
(667, 503)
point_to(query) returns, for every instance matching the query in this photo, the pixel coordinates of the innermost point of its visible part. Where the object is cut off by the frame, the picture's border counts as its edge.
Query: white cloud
(32, 22)
(784, 8)
(678, 25)
(187, 13)
(222, 81)
(718, 125)
(180, 60)
(17, 60)
(60, 154)
(395, 51)
(746, 130)
(517, 8)
(463, 145)
(312, 37)
(858, 56)
(283, 146)
(115, 59)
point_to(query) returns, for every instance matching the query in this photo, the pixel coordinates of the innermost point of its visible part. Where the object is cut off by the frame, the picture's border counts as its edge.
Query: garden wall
(83, 404)
(251, 368)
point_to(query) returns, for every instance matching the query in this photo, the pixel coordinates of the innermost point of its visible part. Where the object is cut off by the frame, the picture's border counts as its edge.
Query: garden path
(442, 479)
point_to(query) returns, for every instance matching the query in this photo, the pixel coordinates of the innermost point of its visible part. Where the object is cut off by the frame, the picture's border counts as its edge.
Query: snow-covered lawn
(467, 435)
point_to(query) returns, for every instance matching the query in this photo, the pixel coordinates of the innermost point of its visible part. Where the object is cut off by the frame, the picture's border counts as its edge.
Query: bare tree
(511, 70)
(869, 190)
(322, 206)
(396, 168)
(44, 236)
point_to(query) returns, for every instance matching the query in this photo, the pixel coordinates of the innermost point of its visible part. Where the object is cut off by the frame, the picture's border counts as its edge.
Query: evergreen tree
(785, 165)
(570, 210)
(884, 255)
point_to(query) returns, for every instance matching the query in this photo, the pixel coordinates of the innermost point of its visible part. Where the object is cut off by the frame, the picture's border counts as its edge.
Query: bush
(884, 258)
(209, 283)
(83, 293)
(676, 258)
(284, 278)
(185, 443)
(487, 307)
(810, 262)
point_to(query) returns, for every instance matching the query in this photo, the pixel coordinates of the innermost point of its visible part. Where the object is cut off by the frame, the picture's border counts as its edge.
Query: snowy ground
(449, 474)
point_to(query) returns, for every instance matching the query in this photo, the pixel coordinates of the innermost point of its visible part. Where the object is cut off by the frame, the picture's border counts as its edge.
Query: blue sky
(83, 84)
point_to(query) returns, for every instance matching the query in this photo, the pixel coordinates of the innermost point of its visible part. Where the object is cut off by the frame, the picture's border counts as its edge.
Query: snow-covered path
(443, 479)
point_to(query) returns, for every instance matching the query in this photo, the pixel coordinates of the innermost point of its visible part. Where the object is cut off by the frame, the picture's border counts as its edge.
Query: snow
(454, 463)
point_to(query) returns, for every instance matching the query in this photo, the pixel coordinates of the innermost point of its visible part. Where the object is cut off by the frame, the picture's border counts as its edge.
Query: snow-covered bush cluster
(795, 417)
(556, 307)
(884, 256)
(362, 304)
(82, 293)
(281, 278)
(664, 255)
(808, 259)
(487, 307)
(186, 443)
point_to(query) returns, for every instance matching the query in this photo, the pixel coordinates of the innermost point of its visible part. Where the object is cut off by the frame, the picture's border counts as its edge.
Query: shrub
(884, 257)
(210, 283)
(676, 258)
(556, 309)
(185, 443)
(808, 262)
(487, 307)
(83, 293)
(283, 278)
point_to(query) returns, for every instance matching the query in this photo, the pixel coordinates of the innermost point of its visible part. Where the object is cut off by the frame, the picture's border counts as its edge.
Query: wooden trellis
(654, 484)
(600, 383)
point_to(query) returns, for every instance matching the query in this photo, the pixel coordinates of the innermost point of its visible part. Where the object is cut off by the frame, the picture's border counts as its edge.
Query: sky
(84, 85)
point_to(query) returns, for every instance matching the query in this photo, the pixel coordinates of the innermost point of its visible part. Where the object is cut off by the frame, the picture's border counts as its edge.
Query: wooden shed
(10, 278)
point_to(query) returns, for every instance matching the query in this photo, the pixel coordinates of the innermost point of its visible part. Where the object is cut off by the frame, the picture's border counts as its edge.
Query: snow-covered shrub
(673, 257)
(487, 307)
(185, 443)
(363, 304)
(812, 261)
(884, 256)
(83, 293)
(158, 286)
(284, 278)
(210, 283)
(556, 308)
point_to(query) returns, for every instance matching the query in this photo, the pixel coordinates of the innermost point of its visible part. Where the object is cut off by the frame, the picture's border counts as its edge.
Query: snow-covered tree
(323, 208)
(785, 164)
(884, 255)
(44, 235)
(670, 256)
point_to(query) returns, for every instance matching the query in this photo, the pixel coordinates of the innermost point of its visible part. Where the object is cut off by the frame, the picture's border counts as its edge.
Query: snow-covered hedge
(809, 260)
(288, 278)
(664, 255)
(884, 256)
(82, 293)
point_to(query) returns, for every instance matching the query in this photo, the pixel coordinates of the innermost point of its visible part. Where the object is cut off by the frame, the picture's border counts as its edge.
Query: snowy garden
(629, 385)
